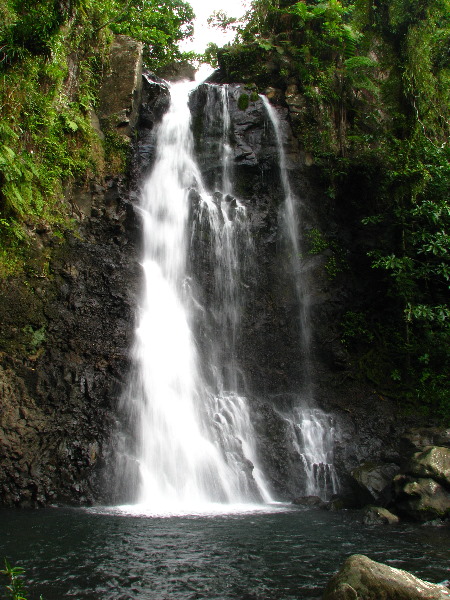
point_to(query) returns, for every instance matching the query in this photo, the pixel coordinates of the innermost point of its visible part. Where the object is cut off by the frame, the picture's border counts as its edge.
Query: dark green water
(283, 555)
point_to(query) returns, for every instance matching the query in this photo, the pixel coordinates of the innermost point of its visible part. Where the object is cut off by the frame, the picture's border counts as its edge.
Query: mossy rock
(361, 578)
(433, 462)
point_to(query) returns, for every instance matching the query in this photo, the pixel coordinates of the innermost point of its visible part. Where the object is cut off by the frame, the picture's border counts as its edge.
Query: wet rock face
(121, 89)
(59, 399)
(269, 347)
(154, 103)
(66, 339)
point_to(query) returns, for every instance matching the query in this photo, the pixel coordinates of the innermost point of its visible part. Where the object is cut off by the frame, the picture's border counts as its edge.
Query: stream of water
(312, 430)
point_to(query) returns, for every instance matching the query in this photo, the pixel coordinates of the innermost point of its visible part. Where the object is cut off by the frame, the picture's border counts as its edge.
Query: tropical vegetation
(373, 79)
(53, 54)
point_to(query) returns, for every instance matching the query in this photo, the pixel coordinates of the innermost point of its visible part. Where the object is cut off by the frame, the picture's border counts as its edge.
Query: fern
(350, 41)
(359, 62)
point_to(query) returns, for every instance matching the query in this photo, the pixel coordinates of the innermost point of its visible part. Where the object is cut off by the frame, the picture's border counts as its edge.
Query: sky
(204, 34)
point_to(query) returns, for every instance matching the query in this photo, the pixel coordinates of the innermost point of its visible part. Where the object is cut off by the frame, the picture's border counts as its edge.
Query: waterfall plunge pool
(284, 553)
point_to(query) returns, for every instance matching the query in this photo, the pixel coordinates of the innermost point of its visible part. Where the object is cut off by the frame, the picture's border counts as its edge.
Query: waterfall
(291, 226)
(313, 434)
(194, 438)
(311, 429)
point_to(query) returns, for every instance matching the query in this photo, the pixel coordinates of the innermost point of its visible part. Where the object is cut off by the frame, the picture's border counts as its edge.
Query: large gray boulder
(419, 438)
(361, 578)
(433, 462)
(422, 499)
(375, 479)
(377, 515)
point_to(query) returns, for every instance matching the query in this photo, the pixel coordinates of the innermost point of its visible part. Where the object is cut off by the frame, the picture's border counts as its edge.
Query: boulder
(422, 499)
(155, 102)
(361, 578)
(177, 71)
(310, 502)
(377, 515)
(295, 101)
(433, 462)
(376, 479)
(419, 438)
(345, 502)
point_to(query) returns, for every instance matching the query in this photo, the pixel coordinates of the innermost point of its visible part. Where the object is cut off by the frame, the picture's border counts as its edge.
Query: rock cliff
(68, 332)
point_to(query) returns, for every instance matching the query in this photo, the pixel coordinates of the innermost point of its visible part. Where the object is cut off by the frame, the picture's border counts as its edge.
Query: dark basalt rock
(155, 101)
(66, 340)
(376, 479)
(59, 400)
(269, 347)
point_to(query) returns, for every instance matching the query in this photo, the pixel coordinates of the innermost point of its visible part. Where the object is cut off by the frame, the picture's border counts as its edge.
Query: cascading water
(313, 432)
(194, 438)
(291, 226)
(311, 429)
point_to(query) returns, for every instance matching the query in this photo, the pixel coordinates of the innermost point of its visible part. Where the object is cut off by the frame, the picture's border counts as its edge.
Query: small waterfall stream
(312, 430)
(291, 224)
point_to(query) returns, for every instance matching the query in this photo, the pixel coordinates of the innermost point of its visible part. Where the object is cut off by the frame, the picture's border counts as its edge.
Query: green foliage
(221, 20)
(355, 327)
(243, 101)
(210, 55)
(36, 337)
(52, 57)
(117, 150)
(317, 243)
(15, 587)
(160, 25)
(244, 62)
